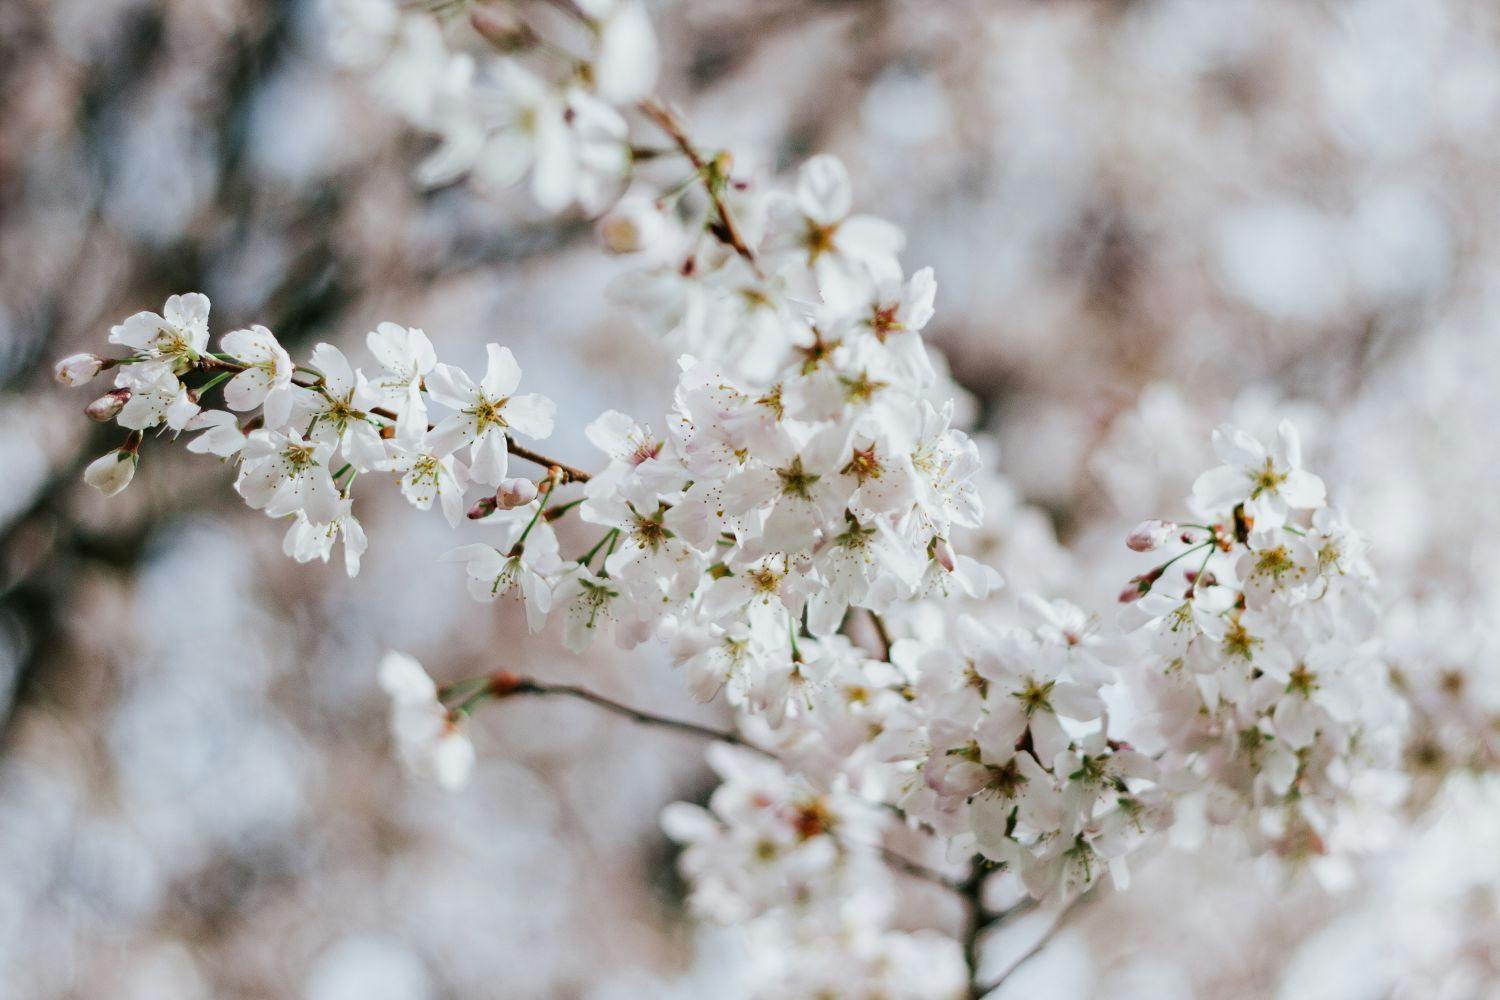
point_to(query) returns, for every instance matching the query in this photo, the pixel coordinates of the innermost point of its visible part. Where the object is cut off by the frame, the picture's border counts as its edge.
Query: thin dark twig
(544, 689)
(910, 867)
(728, 231)
(1045, 939)
(504, 684)
(972, 891)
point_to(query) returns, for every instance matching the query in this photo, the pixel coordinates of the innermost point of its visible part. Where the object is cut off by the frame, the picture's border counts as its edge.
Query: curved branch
(504, 684)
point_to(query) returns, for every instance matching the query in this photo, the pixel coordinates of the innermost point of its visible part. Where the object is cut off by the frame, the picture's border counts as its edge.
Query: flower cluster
(300, 435)
(800, 870)
(498, 116)
(1271, 693)
(790, 527)
(1008, 751)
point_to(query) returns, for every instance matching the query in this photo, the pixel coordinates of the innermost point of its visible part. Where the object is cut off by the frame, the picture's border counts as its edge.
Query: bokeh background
(1145, 217)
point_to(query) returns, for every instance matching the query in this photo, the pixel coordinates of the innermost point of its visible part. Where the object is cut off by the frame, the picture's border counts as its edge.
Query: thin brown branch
(711, 172)
(1046, 938)
(972, 891)
(569, 474)
(504, 684)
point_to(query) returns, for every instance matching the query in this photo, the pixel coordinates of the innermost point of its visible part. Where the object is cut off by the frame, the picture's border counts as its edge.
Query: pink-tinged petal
(612, 434)
(1001, 729)
(181, 411)
(531, 414)
(490, 457)
(824, 192)
(872, 240)
(1047, 735)
(338, 376)
(355, 545)
(1235, 447)
(278, 406)
(1295, 721)
(1222, 487)
(917, 304)
(1279, 767)
(1288, 446)
(451, 386)
(253, 346)
(554, 177)
(453, 433)
(187, 310)
(1074, 701)
(1303, 490)
(189, 313)
(138, 332)
(247, 390)
(363, 446)
(502, 374)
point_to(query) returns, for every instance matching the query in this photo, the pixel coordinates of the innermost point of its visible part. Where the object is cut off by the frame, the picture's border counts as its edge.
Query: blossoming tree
(792, 532)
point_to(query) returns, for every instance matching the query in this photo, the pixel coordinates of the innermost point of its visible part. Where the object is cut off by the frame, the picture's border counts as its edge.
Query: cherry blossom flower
(175, 338)
(1270, 483)
(406, 356)
(281, 473)
(485, 412)
(425, 474)
(430, 742)
(267, 378)
(337, 410)
(307, 540)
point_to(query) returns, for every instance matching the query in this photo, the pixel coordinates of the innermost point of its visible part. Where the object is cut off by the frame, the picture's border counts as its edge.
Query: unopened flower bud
(942, 554)
(483, 508)
(111, 473)
(1149, 535)
(633, 225)
(107, 407)
(76, 369)
(1131, 594)
(500, 29)
(515, 493)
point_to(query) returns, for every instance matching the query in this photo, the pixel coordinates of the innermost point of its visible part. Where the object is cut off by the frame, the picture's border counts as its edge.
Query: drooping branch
(1036, 948)
(972, 891)
(504, 684)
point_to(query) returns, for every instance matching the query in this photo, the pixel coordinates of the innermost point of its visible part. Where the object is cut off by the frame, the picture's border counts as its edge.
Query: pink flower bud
(76, 369)
(942, 553)
(482, 509)
(107, 407)
(515, 493)
(1149, 535)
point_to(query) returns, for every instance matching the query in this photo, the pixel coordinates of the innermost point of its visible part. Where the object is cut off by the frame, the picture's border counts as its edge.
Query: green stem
(546, 497)
(557, 512)
(1196, 548)
(203, 389)
(612, 532)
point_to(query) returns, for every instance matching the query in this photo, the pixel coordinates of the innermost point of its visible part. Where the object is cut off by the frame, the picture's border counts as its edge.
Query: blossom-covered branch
(812, 469)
